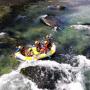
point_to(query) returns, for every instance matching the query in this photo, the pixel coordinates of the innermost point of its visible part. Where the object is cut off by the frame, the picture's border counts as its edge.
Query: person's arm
(17, 49)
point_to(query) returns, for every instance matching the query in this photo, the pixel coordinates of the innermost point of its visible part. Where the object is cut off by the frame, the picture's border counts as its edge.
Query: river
(77, 12)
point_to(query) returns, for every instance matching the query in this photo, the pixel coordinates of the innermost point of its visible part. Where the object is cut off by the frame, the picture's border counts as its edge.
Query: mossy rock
(4, 10)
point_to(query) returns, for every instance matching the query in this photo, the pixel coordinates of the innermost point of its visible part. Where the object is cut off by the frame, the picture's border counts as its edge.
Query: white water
(16, 81)
(2, 34)
(81, 27)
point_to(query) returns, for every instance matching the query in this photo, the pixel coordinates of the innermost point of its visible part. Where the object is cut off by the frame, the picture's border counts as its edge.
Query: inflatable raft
(37, 55)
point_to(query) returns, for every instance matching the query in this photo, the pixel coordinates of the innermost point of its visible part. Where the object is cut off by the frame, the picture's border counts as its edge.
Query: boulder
(50, 21)
(46, 77)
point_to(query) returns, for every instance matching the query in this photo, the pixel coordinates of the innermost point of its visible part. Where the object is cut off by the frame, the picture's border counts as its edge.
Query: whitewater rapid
(16, 81)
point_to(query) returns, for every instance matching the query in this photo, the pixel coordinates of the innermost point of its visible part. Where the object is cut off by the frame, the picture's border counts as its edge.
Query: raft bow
(37, 55)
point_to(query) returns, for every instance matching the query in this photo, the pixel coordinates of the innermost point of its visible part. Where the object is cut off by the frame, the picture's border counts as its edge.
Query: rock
(46, 77)
(62, 7)
(69, 59)
(86, 24)
(6, 40)
(86, 52)
(3, 34)
(50, 20)
(56, 7)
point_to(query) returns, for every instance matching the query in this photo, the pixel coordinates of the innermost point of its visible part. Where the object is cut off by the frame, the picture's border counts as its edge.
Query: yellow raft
(36, 55)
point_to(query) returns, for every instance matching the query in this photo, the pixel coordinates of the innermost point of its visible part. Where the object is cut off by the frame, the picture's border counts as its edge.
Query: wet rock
(6, 40)
(20, 17)
(50, 21)
(56, 7)
(69, 59)
(62, 7)
(86, 24)
(86, 52)
(46, 77)
(3, 34)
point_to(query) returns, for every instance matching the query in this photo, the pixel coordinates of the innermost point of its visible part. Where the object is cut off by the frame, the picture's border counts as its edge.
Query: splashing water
(16, 81)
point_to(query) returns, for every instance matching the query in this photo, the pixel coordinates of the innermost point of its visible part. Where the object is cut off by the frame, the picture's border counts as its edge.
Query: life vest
(23, 50)
(46, 48)
(29, 54)
(38, 47)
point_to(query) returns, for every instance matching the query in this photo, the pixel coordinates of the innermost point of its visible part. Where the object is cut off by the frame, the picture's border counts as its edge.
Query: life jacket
(23, 50)
(42, 50)
(38, 47)
(46, 48)
(29, 54)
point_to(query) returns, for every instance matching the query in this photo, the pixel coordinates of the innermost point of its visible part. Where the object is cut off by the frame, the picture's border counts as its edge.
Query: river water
(16, 81)
(78, 12)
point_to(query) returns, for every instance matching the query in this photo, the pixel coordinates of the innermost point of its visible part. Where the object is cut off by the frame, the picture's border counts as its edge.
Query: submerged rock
(46, 77)
(2, 34)
(6, 40)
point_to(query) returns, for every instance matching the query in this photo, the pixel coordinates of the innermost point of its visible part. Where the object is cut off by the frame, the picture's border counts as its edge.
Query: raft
(37, 55)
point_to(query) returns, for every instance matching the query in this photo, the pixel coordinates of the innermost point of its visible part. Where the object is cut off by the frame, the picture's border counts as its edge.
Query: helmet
(30, 49)
(37, 42)
(45, 42)
(19, 46)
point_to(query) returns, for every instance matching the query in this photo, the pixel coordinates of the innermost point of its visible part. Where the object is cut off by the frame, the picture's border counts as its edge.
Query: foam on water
(16, 81)
(2, 34)
(81, 27)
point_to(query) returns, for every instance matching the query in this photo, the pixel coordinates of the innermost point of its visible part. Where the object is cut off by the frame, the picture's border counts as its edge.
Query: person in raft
(25, 51)
(38, 45)
(29, 52)
(21, 49)
(46, 47)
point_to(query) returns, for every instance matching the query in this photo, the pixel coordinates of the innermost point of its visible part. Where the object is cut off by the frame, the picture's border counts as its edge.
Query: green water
(30, 29)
